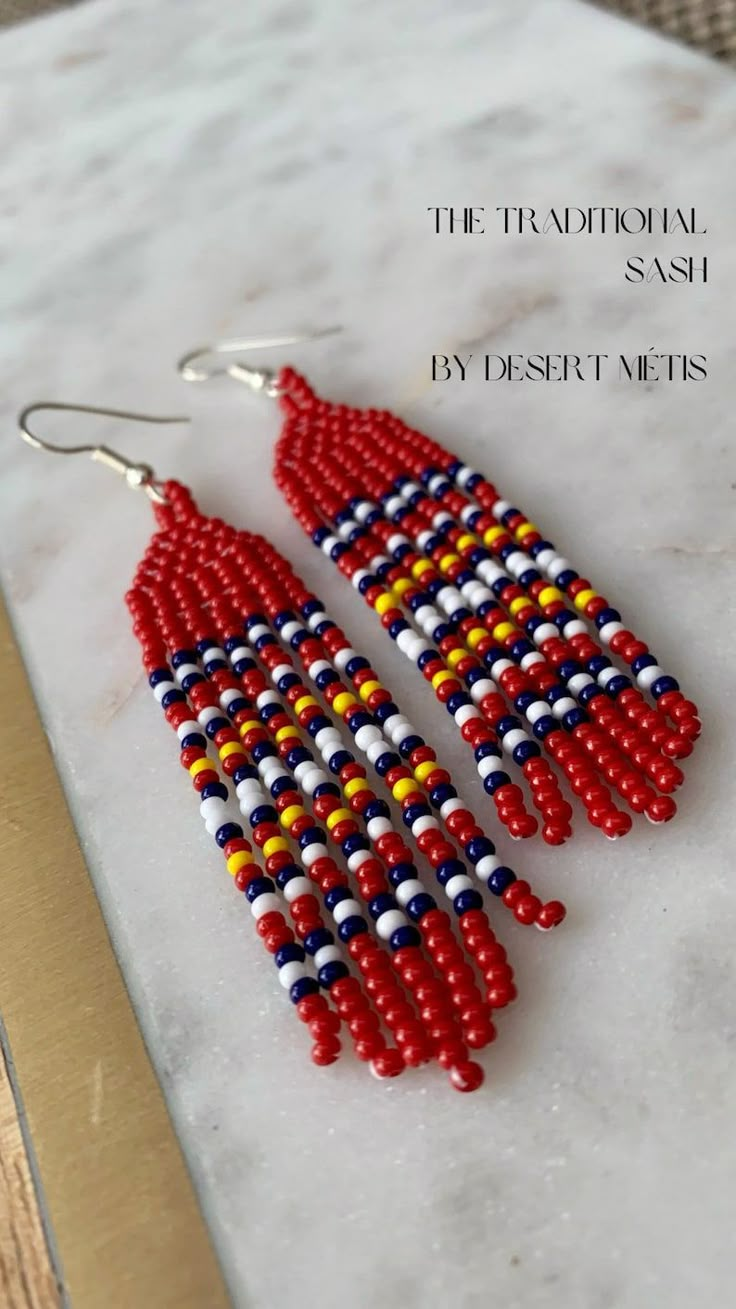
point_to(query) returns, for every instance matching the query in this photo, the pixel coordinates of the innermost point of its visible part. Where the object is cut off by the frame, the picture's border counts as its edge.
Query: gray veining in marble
(177, 171)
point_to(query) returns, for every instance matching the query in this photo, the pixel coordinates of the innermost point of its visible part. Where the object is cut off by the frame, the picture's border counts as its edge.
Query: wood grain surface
(119, 1199)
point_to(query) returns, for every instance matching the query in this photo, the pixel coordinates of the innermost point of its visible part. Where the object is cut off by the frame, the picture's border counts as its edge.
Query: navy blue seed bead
(311, 836)
(556, 692)
(534, 623)
(268, 711)
(544, 726)
(245, 773)
(573, 718)
(259, 886)
(590, 692)
(213, 791)
(191, 680)
(466, 901)
(524, 701)
(528, 576)
(280, 785)
(473, 482)
(409, 745)
(449, 868)
(499, 879)
(426, 657)
(158, 675)
(617, 684)
(597, 664)
(506, 724)
(339, 760)
(183, 657)
(494, 781)
(483, 750)
(324, 678)
(228, 832)
(264, 813)
(335, 896)
(441, 794)
(454, 468)
(569, 669)
(641, 662)
(350, 927)
(380, 904)
(356, 665)
(506, 551)
(564, 579)
(236, 706)
(215, 665)
(522, 647)
(486, 608)
(332, 972)
(404, 937)
(360, 719)
(525, 750)
(320, 534)
(287, 874)
(376, 809)
(396, 627)
(291, 953)
(476, 557)
(245, 665)
(607, 616)
(297, 755)
(323, 627)
(384, 711)
(208, 642)
(173, 697)
(474, 675)
(664, 684)
(458, 701)
(216, 725)
(313, 606)
(401, 873)
(478, 847)
(194, 739)
(366, 583)
(326, 788)
(412, 813)
(385, 762)
(562, 619)
(441, 631)
(317, 940)
(419, 905)
(302, 987)
(352, 844)
(315, 725)
(383, 571)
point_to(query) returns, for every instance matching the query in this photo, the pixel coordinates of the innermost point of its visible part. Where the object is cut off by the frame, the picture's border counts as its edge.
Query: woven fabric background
(708, 24)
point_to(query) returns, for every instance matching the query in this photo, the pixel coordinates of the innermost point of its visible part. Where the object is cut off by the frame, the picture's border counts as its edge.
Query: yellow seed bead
(403, 787)
(518, 604)
(475, 636)
(454, 657)
(304, 702)
(368, 688)
(524, 530)
(422, 771)
(239, 860)
(441, 677)
(466, 540)
(355, 784)
(447, 560)
(284, 733)
(582, 598)
(199, 766)
(230, 747)
(290, 815)
(492, 534)
(337, 816)
(420, 567)
(549, 595)
(503, 630)
(384, 602)
(248, 727)
(401, 586)
(343, 701)
(274, 844)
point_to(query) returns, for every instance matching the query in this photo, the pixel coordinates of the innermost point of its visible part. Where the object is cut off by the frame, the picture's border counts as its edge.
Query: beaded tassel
(355, 932)
(472, 594)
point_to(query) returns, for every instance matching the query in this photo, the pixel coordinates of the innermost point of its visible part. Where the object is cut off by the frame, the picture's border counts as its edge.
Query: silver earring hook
(137, 476)
(258, 379)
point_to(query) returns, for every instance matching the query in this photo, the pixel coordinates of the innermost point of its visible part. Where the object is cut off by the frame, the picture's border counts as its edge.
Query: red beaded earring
(337, 891)
(493, 617)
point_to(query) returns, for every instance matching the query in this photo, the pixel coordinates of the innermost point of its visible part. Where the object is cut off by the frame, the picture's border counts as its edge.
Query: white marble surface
(181, 170)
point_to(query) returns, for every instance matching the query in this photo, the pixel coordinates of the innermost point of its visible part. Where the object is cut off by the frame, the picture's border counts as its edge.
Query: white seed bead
(487, 765)
(606, 674)
(545, 632)
(314, 670)
(367, 735)
(450, 807)
(426, 823)
(375, 750)
(206, 715)
(390, 922)
(487, 865)
(214, 652)
(184, 670)
(537, 710)
(534, 657)
(311, 780)
(563, 706)
(290, 973)
(268, 903)
(575, 627)
(327, 954)
(480, 689)
(555, 565)
(608, 631)
(407, 890)
(327, 735)
(378, 827)
(457, 884)
(500, 508)
(186, 729)
(342, 659)
(647, 676)
(249, 786)
(513, 738)
(297, 886)
(357, 858)
(311, 853)
(314, 620)
(465, 713)
(579, 682)
(212, 807)
(243, 652)
(162, 688)
(346, 909)
(228, 696)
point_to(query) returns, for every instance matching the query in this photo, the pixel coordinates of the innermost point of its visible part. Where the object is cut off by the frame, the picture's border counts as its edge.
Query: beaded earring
(336, 891)
(473, 594)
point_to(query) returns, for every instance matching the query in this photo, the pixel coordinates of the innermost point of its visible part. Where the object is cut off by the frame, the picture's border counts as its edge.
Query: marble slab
(178, 171)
